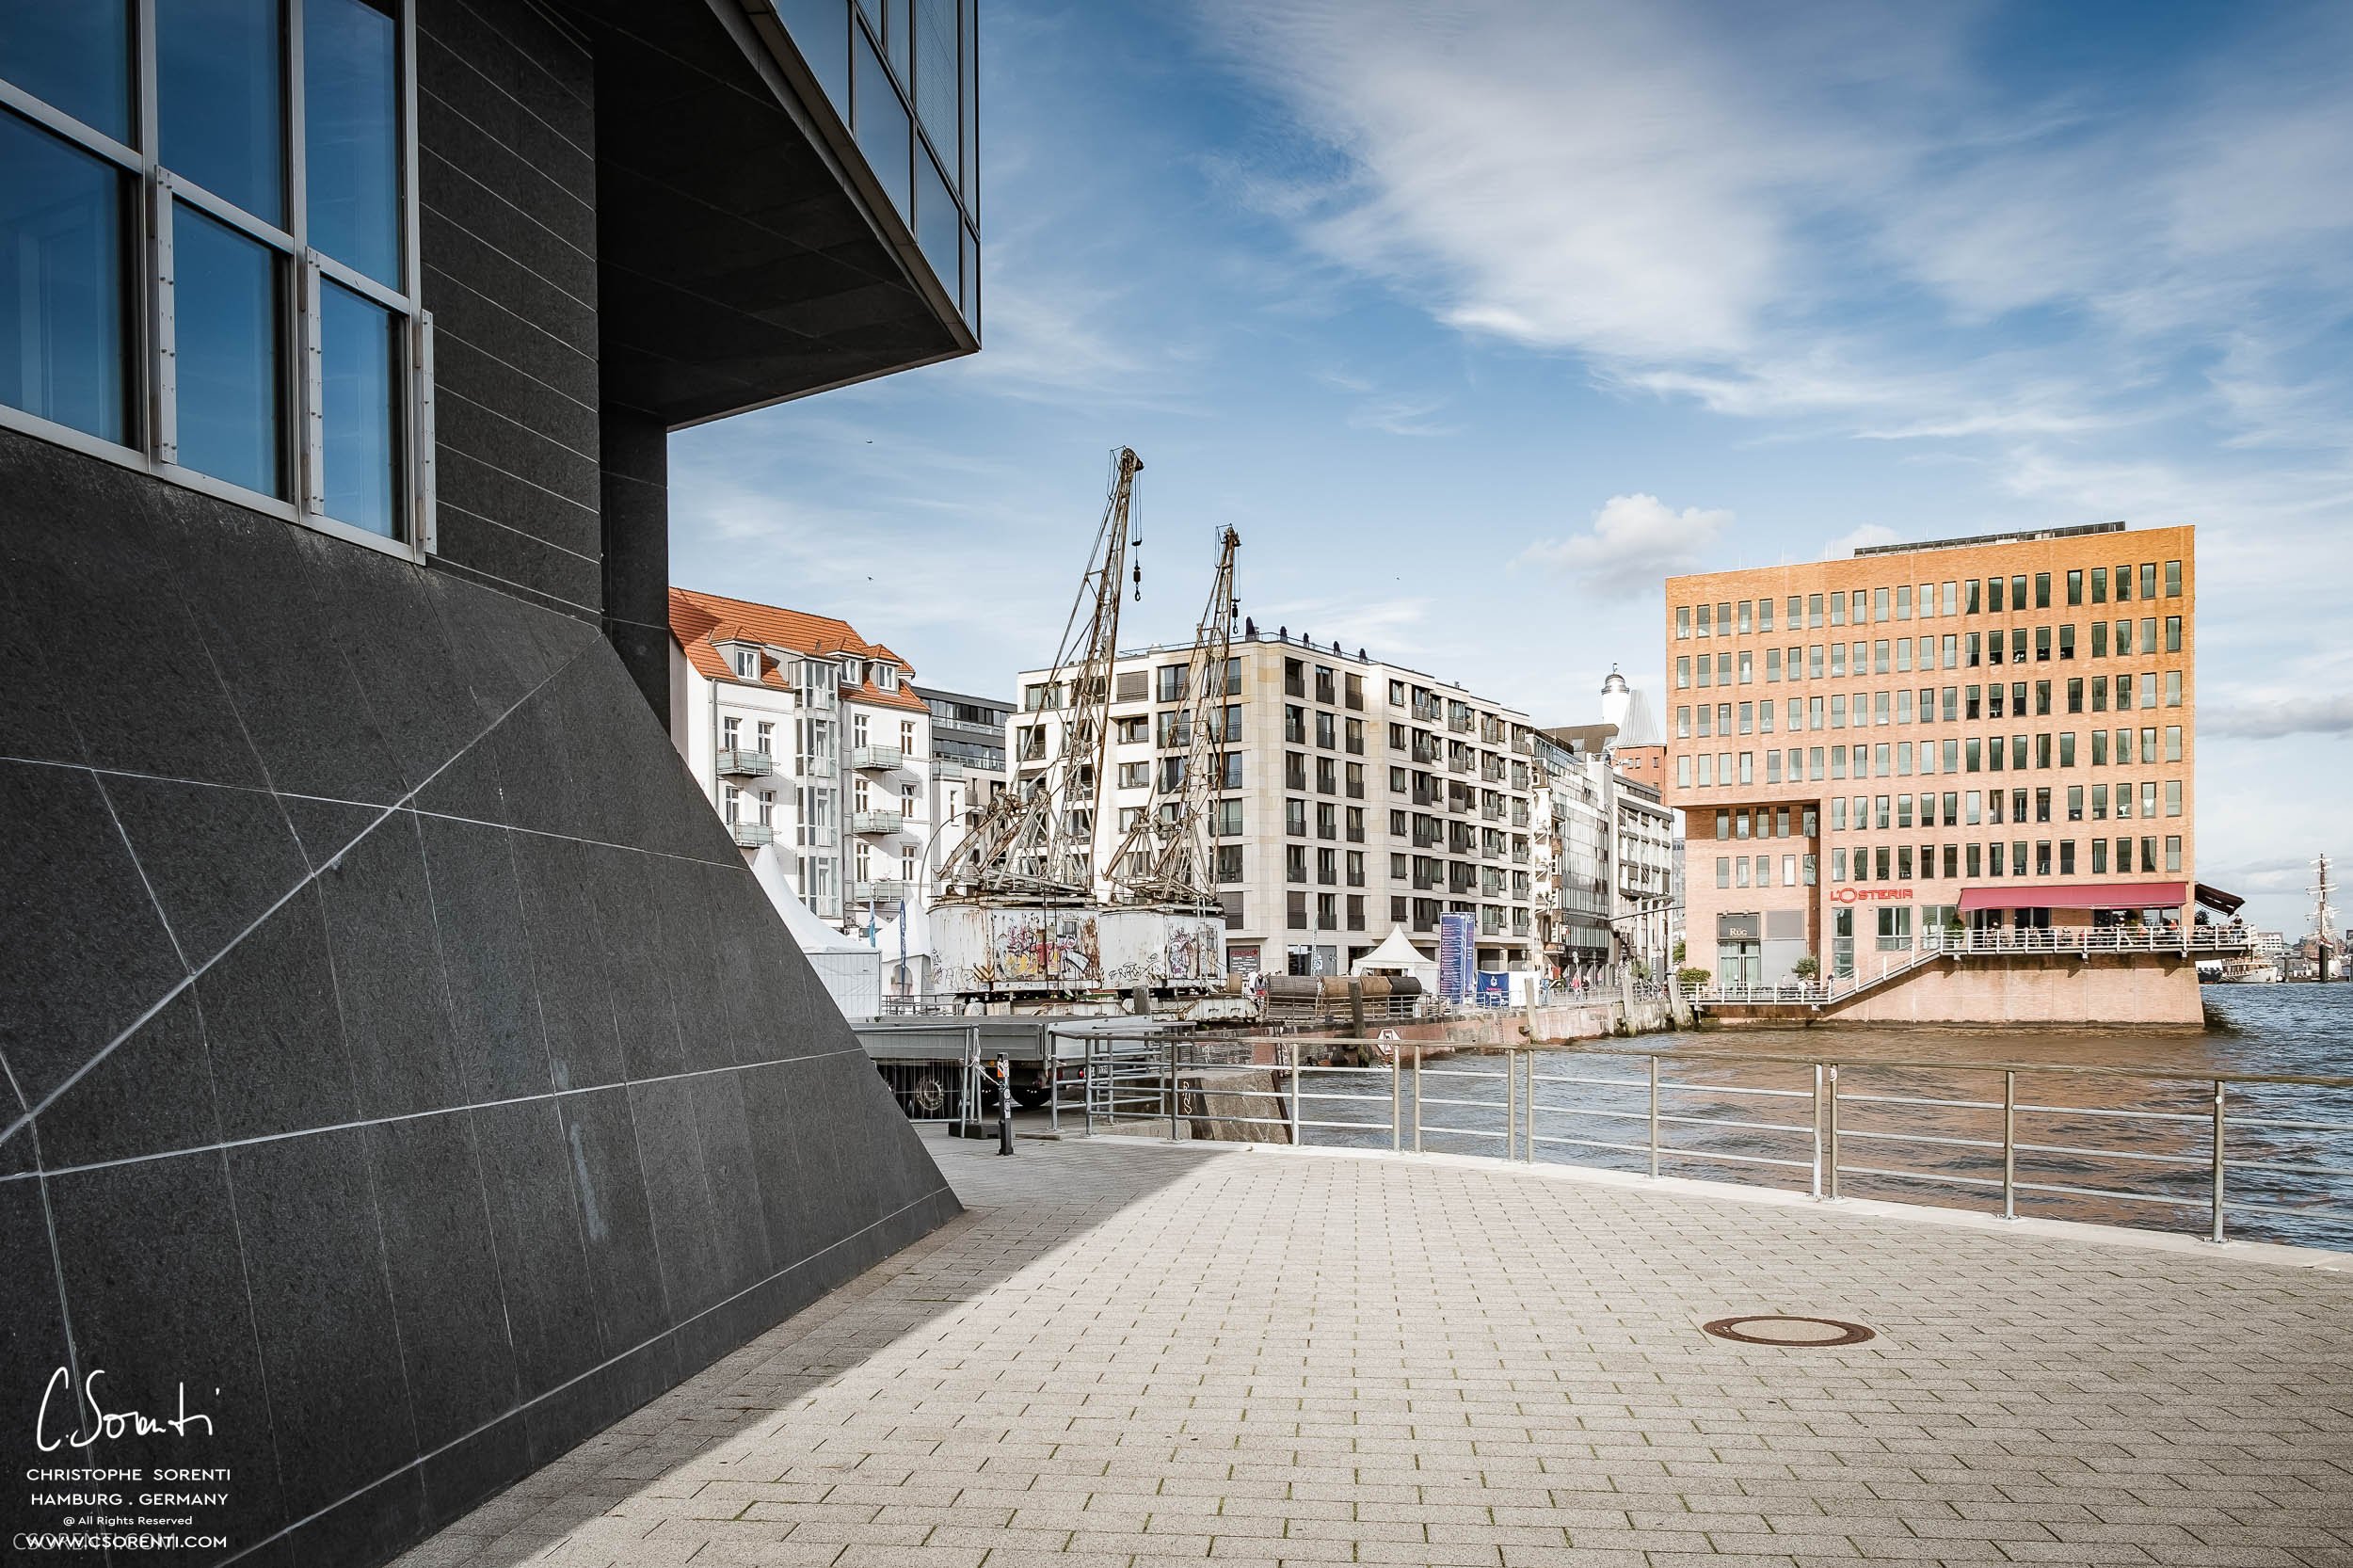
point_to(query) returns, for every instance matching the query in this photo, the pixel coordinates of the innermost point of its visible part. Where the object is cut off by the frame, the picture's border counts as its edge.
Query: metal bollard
(1004, 1106)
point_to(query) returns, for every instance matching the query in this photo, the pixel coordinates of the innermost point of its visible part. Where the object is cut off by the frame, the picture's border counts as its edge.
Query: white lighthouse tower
(1616, 698)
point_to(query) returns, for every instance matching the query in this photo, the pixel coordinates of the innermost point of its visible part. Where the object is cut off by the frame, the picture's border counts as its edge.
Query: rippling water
(2113, 1149)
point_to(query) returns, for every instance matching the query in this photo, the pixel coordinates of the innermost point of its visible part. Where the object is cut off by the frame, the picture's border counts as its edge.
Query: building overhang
(2081, 895)
(746, 255)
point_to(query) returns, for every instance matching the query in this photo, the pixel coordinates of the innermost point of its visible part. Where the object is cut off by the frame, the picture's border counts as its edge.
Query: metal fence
(2221, 1154)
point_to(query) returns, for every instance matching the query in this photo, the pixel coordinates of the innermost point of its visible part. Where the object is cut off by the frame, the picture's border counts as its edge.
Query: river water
(2092, 1146)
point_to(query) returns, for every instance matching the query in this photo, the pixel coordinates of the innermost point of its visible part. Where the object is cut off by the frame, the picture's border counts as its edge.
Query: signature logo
(106, 1424)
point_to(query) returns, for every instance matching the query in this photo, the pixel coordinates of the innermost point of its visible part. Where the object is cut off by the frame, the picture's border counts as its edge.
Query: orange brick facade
(1856, 744)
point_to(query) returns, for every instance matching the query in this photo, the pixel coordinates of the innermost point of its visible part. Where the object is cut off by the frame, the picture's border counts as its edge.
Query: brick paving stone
(1130, 1354)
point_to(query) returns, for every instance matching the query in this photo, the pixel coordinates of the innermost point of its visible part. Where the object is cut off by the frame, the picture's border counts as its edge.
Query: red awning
(2079, 895)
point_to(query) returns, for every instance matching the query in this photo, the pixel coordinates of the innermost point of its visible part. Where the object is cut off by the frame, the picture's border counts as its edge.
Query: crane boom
(1164, 856)
(1036, 839)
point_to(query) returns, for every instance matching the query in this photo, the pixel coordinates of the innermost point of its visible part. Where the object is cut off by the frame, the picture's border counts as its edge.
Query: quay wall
(2154, 989)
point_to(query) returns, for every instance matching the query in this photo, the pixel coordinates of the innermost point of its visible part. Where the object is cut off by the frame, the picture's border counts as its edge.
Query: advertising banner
(1456, 955)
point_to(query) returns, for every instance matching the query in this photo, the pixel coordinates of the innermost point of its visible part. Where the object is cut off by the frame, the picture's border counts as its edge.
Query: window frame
(152, 447)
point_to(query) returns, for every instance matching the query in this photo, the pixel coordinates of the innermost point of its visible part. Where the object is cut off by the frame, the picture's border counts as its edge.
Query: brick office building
(1990, 733)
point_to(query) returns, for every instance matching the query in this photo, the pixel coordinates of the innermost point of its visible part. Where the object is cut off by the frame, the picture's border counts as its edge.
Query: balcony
(878, 759)
(736, 762)
(888, 890)
(751, 835)
(880, 824)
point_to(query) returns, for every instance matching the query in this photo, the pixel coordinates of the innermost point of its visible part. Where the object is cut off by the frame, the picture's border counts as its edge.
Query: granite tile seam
(396, 807)
(517, 53)
(229, 1143)
(441, 214)
(474, 345)
(647, 1343)
(457, 58)
(524, 593)
(445, 392)
(463, 458)
(444, 105)
(541, 539)
(310, 877)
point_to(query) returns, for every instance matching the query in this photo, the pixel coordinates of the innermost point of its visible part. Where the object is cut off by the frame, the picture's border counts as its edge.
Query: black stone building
(402, 1071)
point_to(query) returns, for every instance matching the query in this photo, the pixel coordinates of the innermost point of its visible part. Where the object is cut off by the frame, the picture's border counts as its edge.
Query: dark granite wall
(506, 184)
(398, 1051)
(394, 1050)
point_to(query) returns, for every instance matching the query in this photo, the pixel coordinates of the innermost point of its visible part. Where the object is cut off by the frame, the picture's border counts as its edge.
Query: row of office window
(206, 248)
(1999, 858)
(1733, 870)
(1970, 807)
(1969, 704)
(1952, 650)
(1994, 596)
(1903, 759)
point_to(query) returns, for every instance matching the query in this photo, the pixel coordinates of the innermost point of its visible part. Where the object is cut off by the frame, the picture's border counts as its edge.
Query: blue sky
(1476, 320)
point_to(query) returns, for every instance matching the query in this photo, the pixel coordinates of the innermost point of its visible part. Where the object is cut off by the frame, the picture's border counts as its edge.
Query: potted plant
(1806, 968)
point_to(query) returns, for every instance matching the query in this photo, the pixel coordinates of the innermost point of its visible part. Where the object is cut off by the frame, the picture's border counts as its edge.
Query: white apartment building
(1354, 795)
(808, 736)
(966, 769)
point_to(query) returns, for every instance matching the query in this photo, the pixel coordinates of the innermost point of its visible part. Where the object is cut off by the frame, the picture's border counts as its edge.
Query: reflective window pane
(61, 288)
(882, 128)
(225, 314)
(72, 55)
(351, 134)
(938, 227)
(223, 98)
(936, 73)
(821, 31)
(360, 411)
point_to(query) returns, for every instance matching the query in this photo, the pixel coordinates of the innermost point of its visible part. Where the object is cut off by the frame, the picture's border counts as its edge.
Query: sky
(1478, 319)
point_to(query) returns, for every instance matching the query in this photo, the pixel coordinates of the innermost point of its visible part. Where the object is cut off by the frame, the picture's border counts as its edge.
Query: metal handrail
(1146, 1083)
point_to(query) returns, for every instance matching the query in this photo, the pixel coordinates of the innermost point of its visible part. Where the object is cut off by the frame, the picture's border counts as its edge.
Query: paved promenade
(1133, 1355)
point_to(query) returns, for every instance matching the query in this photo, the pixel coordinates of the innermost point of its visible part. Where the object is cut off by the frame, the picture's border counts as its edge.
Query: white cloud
(1854, 539)
(1796, 217)
(2269, 718)
(1635, 540)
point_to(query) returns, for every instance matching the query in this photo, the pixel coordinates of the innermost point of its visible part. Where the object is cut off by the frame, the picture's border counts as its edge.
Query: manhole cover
(1774, 1329)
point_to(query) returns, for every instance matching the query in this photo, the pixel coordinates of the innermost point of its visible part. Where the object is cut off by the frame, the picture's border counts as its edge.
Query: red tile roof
(701, 621)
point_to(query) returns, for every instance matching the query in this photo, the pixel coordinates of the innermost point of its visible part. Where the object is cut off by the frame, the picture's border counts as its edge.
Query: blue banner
(1456, 956)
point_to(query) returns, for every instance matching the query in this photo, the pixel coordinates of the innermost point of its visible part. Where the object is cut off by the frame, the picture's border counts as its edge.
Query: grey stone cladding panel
(397, 1053)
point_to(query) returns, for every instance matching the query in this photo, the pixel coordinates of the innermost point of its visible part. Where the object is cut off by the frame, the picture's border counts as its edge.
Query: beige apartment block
(1994, 732)
(1353, 797)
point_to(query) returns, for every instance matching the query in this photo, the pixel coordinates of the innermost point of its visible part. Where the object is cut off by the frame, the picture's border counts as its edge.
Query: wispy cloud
(1634, 541)
(2269, 718)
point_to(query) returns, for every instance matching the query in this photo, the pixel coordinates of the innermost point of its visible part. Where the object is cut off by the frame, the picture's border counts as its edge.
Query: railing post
(1654, 1118)
(1818, 1129)
(1172, 1092)
(2009, 1144)
(1397, 1097)
(1833, 1133)
(1297, 1081)
(2220, 1092)
(1417, 1097)
(1529, 1118)
(1511, 1105)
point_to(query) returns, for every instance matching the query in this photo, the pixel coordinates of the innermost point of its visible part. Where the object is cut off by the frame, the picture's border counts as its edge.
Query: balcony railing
(751, 835)
(878, 759)
(877, 823)
(883, 890)
(737, 762)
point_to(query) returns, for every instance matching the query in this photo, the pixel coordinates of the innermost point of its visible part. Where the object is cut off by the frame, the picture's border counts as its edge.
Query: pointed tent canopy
(809, 934)
(1396, 952)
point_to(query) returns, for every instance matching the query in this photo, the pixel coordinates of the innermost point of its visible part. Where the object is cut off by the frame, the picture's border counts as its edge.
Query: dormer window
(887, 677)
(747, 664)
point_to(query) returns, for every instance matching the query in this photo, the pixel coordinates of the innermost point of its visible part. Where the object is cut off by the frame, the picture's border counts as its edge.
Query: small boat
(2247, 970)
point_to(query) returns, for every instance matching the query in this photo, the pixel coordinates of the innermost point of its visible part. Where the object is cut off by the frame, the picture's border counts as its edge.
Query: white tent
(850, 970)
(1396, 955)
